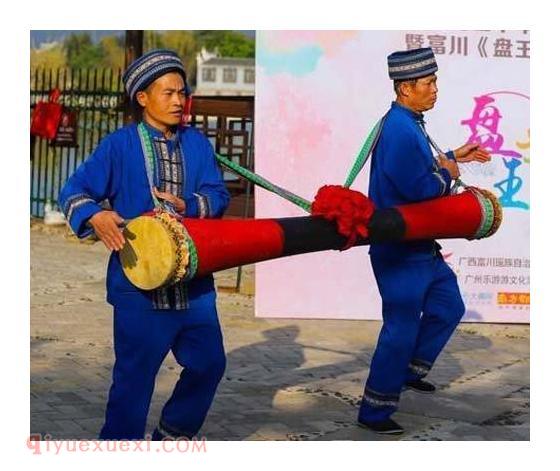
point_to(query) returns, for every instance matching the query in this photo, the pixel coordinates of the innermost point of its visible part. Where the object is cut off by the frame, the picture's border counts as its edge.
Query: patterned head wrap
(413, 64)
(151, 66)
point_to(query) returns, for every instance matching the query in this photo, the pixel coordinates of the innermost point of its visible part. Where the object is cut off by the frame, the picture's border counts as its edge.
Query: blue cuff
(450, 155)
(204, 209)
(80, 216)
(197, 206)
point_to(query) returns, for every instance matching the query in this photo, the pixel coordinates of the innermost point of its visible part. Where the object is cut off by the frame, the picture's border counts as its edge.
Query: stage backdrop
(318, 95)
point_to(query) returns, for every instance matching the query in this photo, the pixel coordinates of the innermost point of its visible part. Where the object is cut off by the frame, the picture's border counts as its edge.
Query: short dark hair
(398, 83)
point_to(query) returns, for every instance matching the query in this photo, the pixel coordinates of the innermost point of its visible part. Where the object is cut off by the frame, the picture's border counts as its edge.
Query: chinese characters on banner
(503, 46)
(337, 87)
(494, 275)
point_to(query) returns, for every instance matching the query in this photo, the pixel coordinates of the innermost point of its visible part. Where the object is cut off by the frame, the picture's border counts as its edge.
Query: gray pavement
(285, 380)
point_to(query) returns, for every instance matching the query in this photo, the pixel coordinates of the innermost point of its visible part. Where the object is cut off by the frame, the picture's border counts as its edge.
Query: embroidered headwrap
(151, 66)
(413, 64)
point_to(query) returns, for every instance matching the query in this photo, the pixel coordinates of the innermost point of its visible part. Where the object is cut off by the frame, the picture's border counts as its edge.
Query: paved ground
(285, 380)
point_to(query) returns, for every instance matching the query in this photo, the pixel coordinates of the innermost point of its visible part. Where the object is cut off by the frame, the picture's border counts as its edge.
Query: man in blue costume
(422, 304)
(154, 161)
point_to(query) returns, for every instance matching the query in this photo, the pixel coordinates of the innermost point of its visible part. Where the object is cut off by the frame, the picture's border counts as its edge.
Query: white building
(47, 46)
(224, 75)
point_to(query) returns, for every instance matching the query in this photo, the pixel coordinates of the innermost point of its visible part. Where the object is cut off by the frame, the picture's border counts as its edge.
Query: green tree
(53, 57)
(81, 52)
(152, 40)
(113, 52)
(189, 43)
(227, 43)
(182, 42)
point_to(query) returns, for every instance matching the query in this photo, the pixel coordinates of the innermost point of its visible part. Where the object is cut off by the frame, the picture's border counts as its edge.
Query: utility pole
(133, 47)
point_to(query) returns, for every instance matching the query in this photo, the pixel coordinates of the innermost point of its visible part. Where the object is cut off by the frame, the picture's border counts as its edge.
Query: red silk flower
(351, 210)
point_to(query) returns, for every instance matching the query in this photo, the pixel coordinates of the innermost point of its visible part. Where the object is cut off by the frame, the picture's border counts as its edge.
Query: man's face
(164, 99)
(422, 95)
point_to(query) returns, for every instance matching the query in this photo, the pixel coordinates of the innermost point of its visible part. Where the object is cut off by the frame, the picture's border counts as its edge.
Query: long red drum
(161, 250)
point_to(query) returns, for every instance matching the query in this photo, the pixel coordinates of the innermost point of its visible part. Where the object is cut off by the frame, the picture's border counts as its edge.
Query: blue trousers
(422, 306)
(142, 340)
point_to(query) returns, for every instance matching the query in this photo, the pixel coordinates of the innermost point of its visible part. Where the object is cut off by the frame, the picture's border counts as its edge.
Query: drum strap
(161, 297)
(367, 149)
(430, 140)
(363, 156)
(264, 183)
(149, 160)
(458, 182)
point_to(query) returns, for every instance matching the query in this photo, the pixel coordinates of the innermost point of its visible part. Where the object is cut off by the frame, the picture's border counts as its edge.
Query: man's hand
(450, 166)
(470, 153)
(106, 226)
(178, 203)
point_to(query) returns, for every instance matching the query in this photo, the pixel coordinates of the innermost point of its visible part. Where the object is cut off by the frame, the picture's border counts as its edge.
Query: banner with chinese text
(318, 95)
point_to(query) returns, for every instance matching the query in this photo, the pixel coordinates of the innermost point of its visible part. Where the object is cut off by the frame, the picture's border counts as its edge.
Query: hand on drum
(106, 226)
(177, 203)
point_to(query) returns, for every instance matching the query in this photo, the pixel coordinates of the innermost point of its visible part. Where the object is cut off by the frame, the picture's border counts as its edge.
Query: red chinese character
(484, 124)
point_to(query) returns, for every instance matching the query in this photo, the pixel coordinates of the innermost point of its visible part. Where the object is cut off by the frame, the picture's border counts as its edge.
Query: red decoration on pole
(351, 210)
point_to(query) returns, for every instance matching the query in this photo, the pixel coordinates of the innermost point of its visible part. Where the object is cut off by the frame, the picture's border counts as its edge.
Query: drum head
(149, 256)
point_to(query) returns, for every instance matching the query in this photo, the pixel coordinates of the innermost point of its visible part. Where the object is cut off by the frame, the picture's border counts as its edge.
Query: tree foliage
(81, 52)
(52, 57)
(227, 43)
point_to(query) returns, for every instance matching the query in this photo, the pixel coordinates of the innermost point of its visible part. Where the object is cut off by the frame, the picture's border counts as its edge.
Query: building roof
(230, 61)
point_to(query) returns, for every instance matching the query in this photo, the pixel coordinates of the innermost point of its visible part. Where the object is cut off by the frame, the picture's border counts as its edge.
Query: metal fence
(97, 97)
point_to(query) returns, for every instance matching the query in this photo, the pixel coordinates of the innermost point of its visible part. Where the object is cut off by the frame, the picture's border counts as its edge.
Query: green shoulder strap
(363, 156)
(366, 150)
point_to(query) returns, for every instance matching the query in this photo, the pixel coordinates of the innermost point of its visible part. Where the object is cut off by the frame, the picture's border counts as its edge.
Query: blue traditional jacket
(403, 171)
(116, 171)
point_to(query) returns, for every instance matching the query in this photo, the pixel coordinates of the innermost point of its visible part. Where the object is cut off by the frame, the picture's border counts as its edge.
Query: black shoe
(385, 427)
(420, 386)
